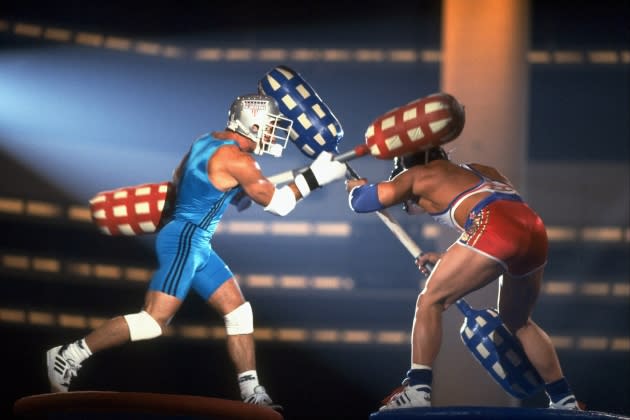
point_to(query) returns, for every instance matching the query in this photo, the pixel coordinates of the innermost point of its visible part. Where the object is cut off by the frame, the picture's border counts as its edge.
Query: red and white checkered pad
(420, 124)
(134, 210)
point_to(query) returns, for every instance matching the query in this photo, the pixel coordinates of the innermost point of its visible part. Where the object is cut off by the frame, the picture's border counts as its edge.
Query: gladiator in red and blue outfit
(501, 238)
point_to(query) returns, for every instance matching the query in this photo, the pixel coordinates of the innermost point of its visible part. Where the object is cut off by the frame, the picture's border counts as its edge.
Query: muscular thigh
(181, 252)
(460, 271)
(227, 297)
(211, 276)
(517, 297)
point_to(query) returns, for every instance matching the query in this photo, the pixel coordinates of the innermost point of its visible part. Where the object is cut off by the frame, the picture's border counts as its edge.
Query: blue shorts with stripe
(185, 260)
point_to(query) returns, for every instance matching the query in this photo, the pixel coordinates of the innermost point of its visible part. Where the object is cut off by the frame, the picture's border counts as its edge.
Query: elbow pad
(282, 202)
(364, 199)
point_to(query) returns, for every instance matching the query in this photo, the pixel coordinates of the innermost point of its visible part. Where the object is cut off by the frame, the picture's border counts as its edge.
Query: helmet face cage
(258, 118)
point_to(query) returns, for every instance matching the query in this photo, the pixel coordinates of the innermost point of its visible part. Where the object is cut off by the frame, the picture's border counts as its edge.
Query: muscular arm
(366, 197)
(233, 167)
(397, 190)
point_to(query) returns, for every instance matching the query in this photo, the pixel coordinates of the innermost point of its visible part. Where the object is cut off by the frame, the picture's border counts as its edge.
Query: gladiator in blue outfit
(217, 171)
(183, 246)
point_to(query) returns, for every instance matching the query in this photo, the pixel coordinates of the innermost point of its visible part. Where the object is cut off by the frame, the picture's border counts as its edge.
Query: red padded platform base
(91, 404)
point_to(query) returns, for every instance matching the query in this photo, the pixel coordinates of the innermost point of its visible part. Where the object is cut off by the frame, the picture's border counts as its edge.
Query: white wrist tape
(282, 202)
(240, 320)
(142, 326)
(301, 181)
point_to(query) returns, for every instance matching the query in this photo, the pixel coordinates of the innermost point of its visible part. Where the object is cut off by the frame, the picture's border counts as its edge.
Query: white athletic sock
(419, 366)
(77, 351)
(247, 381)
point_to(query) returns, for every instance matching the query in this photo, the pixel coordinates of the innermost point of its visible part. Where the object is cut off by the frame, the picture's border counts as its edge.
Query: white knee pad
(240, 320)
(142, 326)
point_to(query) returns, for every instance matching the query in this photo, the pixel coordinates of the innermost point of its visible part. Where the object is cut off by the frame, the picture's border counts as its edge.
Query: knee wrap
(142, 326)
(240, 320)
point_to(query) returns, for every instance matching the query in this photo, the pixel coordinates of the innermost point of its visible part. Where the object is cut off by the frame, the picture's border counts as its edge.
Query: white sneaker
(260, 397)
(567, 403)
(409, 397)
(61, 370)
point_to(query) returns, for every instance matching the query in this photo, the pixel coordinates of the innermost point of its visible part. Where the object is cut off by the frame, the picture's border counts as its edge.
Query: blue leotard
(185, 255)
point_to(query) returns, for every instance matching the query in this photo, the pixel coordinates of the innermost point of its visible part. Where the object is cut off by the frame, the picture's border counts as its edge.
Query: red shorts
(509, 232)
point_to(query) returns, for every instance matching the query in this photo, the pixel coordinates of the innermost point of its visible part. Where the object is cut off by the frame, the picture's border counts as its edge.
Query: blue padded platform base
(491, 413)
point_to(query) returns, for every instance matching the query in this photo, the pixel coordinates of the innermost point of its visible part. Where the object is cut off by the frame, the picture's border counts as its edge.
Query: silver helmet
(258, 118)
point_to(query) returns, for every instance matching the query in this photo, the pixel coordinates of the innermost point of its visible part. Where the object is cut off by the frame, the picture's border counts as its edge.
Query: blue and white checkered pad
(499, 352)
(315, 127)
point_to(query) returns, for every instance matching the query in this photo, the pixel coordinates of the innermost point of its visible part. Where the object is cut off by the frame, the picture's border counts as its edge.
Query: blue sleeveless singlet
(185, 256)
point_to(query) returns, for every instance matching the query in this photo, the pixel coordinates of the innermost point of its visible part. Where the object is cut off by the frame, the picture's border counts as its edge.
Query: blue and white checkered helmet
(258, 118)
